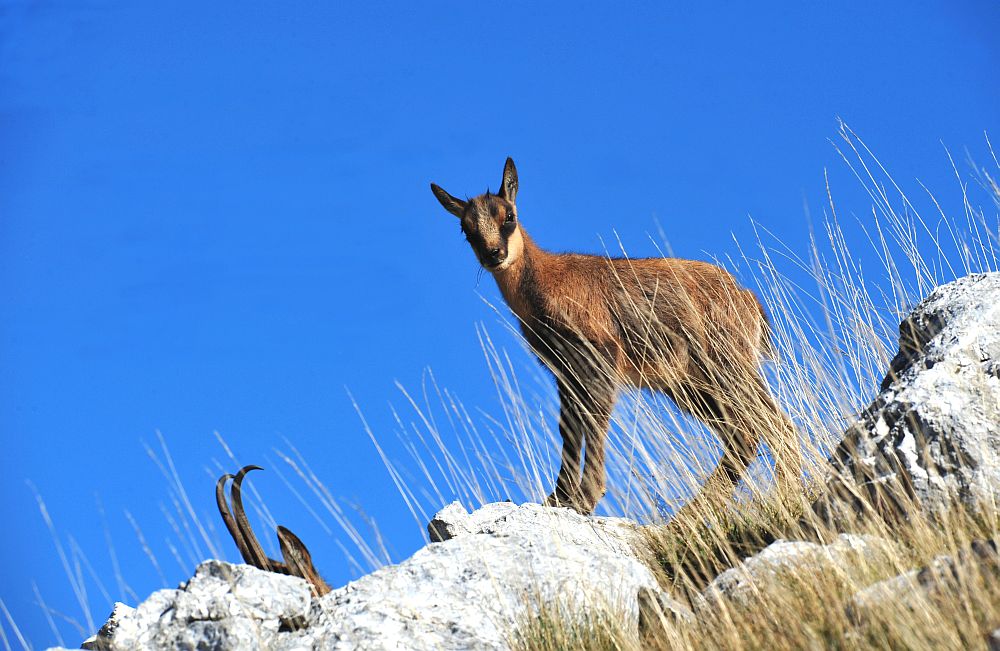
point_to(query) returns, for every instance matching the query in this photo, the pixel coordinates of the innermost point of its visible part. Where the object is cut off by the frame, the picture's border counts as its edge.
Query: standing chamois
(681, 327)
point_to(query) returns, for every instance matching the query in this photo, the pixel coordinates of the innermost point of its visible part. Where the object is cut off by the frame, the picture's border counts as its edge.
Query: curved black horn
(297, 560)
(252, 547)
(227, 515)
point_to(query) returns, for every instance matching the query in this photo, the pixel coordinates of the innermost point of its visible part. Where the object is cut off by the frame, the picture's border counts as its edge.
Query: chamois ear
(450, 203)
(508, 186)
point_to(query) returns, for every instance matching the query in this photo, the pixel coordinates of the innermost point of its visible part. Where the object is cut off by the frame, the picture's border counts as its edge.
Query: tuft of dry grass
(560, 627)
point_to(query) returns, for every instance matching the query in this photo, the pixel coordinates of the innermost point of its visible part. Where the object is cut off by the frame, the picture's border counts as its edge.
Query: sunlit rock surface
(933, 433)
(784, 561)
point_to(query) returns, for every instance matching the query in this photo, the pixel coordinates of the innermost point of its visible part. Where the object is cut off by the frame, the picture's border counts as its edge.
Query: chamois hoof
(561, 501)
(587, 504)
(578, 504)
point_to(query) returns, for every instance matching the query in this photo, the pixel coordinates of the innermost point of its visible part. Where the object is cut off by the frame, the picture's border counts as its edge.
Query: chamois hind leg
(745, 416)
(739, 439)
(780, 435)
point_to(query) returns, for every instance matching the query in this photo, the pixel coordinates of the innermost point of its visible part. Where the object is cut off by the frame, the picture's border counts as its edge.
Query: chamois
(297, 560)
(681, 327)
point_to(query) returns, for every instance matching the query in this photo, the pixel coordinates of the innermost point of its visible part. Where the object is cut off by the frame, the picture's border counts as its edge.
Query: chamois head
(489, 221)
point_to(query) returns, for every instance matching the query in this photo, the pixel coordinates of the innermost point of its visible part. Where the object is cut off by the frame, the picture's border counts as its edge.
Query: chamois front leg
(568, 481)
(596, 420)
(586, 402)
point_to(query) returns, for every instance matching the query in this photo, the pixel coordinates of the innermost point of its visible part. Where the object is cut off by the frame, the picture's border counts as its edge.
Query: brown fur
(682, 327)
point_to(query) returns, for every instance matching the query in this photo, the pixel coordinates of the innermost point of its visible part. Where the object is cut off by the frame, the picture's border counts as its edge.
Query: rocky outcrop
(933, 433)
(222, 606)
(490, 570)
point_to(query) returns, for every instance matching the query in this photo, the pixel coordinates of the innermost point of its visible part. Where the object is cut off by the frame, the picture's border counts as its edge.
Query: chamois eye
(509, 219)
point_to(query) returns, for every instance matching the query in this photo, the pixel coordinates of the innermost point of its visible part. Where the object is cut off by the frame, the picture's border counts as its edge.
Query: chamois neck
(511, 279)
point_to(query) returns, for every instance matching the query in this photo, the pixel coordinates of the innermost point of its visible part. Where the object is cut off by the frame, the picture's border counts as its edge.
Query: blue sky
(218, 218)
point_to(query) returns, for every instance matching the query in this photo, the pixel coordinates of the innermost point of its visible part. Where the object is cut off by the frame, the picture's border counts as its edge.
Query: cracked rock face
(933, 433)
(493, 568)
(222, 606)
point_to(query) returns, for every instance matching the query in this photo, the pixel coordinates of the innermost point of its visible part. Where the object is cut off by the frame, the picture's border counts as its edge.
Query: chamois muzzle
(495, 257)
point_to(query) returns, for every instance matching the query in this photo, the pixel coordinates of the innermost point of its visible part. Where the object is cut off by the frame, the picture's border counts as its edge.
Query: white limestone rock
(222, 606)
(470, 591)
(849, 556)
(917, 588)
(933, 433)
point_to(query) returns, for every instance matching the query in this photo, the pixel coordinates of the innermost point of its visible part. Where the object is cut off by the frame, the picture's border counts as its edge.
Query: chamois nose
(494, 257)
